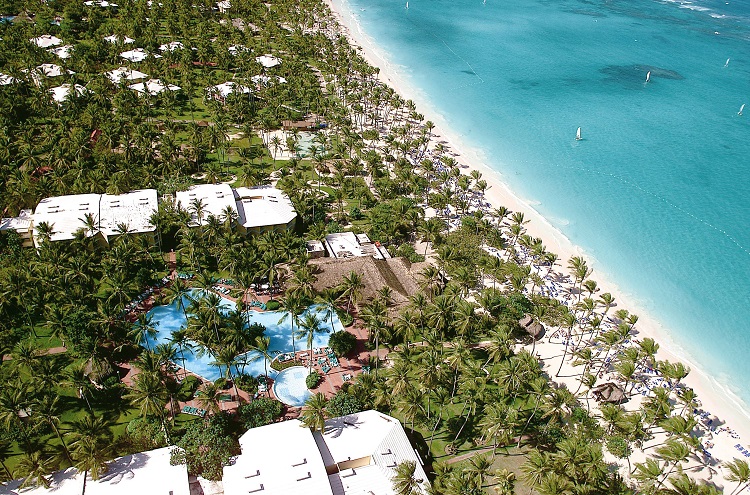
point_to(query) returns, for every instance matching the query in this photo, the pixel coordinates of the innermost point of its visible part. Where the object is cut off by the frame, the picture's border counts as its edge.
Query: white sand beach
(723, 410)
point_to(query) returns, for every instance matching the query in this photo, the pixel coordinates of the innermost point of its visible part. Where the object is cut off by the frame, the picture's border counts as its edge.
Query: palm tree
(352, 286)
(35, 467)
(149, 397)
(262, 345)
(309, 327)
(144, 329)
(209, 397)
(739, 472)
(404, 482)
(314, 412)
(293, 306)
(180, 339)
(48, 409)
(91, 439)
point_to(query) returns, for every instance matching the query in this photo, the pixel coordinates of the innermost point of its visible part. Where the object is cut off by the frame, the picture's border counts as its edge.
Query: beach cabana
(125, 73)
(609, 392)
(268, 61)
(61, 93)
(153, 87)
(46, 41)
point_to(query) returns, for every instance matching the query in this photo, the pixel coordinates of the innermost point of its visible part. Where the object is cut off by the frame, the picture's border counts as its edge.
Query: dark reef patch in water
(633, 76)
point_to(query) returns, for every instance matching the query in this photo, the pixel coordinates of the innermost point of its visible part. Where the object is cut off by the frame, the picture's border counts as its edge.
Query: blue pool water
(171, 317)
(290, 386)
(656, 193)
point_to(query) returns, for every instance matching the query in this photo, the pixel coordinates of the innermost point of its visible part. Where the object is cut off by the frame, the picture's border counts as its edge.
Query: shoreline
(714, 396)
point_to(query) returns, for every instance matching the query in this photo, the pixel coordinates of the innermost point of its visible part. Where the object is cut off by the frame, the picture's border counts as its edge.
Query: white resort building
(21, 224)
(356, 454)
(258, 209)
(263, 209)
(143, 473)
(351, 245)
(112, 214)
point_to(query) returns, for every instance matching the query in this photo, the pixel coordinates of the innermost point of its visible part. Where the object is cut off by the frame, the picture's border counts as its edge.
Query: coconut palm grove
(443, 318)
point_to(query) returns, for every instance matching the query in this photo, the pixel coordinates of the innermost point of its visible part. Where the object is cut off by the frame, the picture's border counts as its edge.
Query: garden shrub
(342, 342)
(312, 379)
(272, 305)
(259, 412)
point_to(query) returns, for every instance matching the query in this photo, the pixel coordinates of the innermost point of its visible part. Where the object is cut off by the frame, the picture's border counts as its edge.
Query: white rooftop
(360, 451)
(235, 49)
(153, 86)
(172, 46)
(263, 206)
(49, 70)
(137, 55)
(116, 75)
(227, 88)
(113, 38)
(21, 222)
(349, 244)
(268, 61)
(100, 3)
(66, 214)
(280, 458)
(61, 93)
(132, 209)
(46, 41)
(265, 80)
(214, 197)
(6, 79)
(142, 473)
(62, 51)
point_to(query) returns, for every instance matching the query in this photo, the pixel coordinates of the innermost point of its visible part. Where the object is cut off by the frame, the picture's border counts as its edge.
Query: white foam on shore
(716, 393)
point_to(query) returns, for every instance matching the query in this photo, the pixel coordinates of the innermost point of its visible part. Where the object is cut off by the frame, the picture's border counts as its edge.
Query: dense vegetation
(456, 375)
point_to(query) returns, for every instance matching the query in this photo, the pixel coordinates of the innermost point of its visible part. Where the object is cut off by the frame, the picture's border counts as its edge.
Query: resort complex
(234, 260)
(351, 454)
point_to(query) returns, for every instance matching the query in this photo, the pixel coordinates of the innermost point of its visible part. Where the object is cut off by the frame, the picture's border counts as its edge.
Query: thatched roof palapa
(609, 392)
(533, 328)
(396, 273)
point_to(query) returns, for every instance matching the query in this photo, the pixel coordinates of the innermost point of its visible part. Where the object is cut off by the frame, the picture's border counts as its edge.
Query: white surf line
(665, 201)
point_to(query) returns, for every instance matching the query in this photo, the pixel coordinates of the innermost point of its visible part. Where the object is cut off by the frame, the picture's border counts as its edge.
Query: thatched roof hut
(533, 328)
(396, 273)
(609, 392)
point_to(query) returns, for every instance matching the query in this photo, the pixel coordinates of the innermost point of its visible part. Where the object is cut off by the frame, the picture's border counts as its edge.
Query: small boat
(578, 134)
(741, 109)
(407, 5)
(726, 64)
(648, 76)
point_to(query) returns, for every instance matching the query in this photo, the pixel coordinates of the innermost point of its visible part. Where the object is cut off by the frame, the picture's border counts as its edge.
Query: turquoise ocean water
(658, 191)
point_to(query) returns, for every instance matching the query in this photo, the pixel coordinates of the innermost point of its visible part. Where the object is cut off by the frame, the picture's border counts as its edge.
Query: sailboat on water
(726, 64)
(407, 5)
(578, 134)
(648, 76)
(741, 109)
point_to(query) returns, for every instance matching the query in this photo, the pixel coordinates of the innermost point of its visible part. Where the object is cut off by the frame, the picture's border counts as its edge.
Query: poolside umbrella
(609, 392)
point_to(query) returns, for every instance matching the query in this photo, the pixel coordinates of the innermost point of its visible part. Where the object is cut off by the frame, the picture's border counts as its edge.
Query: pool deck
(349, 366)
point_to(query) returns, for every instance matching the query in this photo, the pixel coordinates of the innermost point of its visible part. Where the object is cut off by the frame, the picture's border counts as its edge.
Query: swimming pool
(290, 386)
(171, 317)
